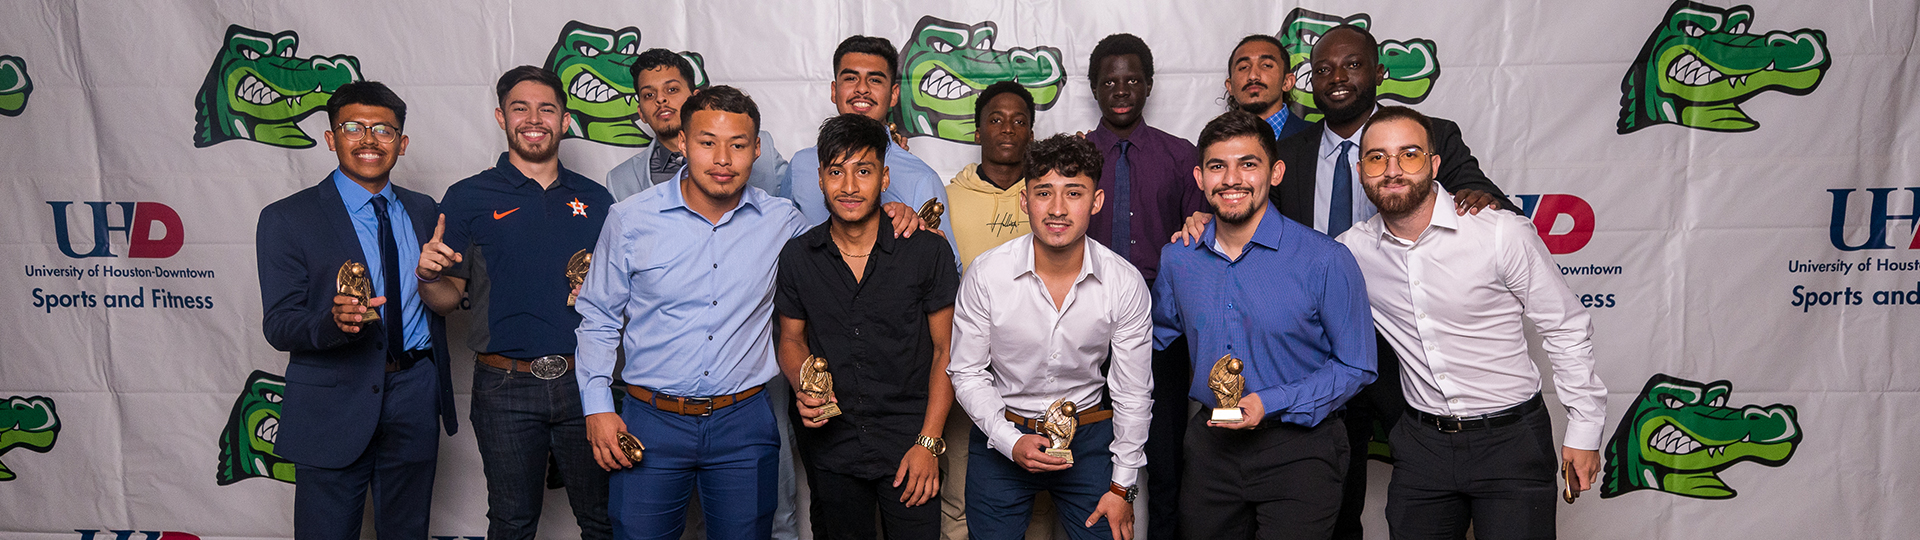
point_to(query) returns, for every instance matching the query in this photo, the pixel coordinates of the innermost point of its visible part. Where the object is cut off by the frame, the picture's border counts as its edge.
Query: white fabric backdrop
(1704, 226)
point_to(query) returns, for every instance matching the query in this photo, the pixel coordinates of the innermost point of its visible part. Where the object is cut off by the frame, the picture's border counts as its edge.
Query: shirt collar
(1266, 235)
(663, 159)
(1089, 265)
(1279, 120)
(1104, 139)
(355, 196)
(822, 236)
(1330, 143)
(518, 180)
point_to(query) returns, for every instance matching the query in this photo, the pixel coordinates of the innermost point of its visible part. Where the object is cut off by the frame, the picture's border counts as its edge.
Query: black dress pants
(1499, 480)
(1280, 481)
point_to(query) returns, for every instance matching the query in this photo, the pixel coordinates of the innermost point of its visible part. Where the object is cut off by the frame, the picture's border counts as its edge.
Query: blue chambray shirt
(691, 300)
(413, 321)
(1293, 308)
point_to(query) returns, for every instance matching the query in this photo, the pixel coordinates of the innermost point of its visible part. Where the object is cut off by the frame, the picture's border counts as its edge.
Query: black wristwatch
(1126, 493)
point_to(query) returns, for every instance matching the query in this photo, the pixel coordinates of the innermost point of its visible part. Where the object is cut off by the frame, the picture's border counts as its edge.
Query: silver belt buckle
(548, 367)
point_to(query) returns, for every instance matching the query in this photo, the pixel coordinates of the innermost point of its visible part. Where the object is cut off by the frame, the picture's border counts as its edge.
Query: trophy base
(1061, 453)
(1228, 416)
(829, 410)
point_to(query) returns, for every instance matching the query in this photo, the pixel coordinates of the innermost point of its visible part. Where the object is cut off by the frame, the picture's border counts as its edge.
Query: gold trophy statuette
(630, 445)
(816, 382)
(1058, 424)
(353, 281)
(1227, 385)
(577, 272)
(931, 211)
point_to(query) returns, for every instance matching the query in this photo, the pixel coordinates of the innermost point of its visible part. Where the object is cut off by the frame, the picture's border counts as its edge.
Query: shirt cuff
(1003, 437)
(596, 399)
(1126, 476)
(1584, 435)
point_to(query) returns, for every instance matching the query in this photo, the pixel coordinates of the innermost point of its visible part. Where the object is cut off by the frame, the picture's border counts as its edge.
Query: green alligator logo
(1702, 63)
(27, 422)
(1680, 434)
(246, 445)
(948, 64)
(258, 89)
(596, 65)
(15, 86)
(1412, 65)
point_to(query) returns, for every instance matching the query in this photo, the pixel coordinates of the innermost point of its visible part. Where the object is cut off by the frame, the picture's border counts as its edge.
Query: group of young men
(842, 301)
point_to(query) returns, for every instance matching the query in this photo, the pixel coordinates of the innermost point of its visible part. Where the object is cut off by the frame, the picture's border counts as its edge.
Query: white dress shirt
(1012, 351)
(1452, 303)
(1323, 178)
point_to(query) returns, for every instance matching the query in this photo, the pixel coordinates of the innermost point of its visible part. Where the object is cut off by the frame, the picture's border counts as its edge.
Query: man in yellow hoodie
(984, 198)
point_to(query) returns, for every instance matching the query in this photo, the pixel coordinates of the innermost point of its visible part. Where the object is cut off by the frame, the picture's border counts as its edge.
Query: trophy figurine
(1058, 424)
(353, 281)
(1227, 385)
(816, 382)
(930, 212)
(577, 272)
(630, 445)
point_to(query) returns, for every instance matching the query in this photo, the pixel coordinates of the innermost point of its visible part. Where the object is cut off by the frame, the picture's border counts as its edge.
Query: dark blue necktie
(390, 270)
(1340, 206)
(1122, 203)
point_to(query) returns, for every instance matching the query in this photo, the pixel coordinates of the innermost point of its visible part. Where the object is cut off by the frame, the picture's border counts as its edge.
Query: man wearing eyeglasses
(506, 239)
(1452, 294)
(362, 397)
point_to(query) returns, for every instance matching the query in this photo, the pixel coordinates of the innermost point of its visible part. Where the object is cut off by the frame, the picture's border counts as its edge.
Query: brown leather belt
(688, 406)
(1097, 415)
(512, 365)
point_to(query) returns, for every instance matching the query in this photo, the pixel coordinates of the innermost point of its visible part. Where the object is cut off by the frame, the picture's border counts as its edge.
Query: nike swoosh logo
(498, 214)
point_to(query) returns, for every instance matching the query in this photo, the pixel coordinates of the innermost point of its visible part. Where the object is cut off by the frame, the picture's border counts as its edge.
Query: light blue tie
(1340, 207)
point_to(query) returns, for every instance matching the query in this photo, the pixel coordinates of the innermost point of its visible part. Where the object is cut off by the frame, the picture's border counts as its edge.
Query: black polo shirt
(874, 335)
(515, 239)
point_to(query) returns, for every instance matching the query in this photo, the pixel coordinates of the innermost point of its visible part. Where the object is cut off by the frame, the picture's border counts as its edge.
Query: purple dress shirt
(1164, 192)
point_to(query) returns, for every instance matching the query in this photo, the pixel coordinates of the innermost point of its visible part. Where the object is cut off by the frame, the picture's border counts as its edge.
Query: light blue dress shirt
(909, 181)
(360, 208)
(691, 299)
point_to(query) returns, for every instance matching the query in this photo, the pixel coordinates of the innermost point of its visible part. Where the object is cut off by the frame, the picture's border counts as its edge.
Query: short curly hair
(1120, 45)
(1064, 154)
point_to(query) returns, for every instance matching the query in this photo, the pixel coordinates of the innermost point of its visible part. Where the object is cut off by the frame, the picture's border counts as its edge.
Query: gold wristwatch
(933, 444)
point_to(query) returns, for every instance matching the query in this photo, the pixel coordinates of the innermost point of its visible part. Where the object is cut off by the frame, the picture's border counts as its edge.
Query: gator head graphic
(596, 65)
(1702, 63)
(1680, 434)
(28, 423)
(1412, 65)
(14, 85)
(258, 89)
(246, 445)
(948, 64)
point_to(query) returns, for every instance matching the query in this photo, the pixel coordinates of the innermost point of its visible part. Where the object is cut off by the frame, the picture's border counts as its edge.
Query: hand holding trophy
(1058, 424)
(353, 281)
(817, 382)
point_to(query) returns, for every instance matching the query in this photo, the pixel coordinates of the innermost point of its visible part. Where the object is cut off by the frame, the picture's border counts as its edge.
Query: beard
(535, 155)
(1362, 104)
(1239, 216)
(1256, 109)
(1404, 203)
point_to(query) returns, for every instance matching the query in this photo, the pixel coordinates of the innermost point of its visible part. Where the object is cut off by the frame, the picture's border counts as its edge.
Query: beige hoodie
(983, 215)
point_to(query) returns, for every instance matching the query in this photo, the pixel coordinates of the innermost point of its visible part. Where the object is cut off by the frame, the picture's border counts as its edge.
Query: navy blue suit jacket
(332, 401)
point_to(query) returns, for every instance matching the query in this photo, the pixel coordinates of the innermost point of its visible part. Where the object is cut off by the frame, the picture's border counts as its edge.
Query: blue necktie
(1340, 207)
(1122, 203)
(390, 270)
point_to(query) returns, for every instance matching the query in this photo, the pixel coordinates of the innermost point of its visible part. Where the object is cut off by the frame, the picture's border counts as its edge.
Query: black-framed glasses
(354, 131)
(1411, 159)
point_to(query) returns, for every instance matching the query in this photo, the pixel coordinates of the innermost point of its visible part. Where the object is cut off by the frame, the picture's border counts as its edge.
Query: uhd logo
(1546, 211)
(1878, 217)
(138, 221)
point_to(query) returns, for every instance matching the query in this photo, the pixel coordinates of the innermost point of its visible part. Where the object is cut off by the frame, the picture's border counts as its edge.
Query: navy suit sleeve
(1458, 168)
(290, 323)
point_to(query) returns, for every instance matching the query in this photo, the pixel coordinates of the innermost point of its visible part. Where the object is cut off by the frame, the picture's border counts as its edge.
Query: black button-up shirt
(873, 333)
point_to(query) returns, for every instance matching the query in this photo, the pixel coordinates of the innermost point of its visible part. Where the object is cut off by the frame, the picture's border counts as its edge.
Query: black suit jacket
(332, 405)
(1301, 153)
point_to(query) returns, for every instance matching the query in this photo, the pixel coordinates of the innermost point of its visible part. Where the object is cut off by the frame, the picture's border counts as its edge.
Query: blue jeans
(519, 420)
(1000, 492)
(732, 456)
